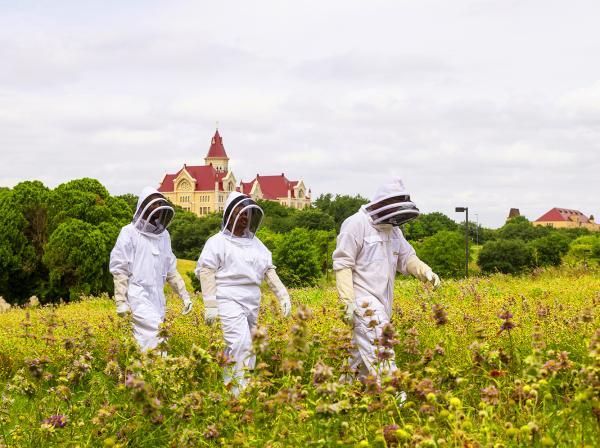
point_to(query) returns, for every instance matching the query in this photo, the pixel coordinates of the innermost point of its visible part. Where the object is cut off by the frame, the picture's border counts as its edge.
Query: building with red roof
(292, 193)
(203, 189)
(566, 218)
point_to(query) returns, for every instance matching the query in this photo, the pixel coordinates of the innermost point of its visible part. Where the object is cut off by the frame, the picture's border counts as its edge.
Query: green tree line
(55, 243)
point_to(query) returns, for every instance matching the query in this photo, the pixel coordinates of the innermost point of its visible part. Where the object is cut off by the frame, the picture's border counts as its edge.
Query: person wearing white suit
(231, 268)
(141, 262)
(370, 250)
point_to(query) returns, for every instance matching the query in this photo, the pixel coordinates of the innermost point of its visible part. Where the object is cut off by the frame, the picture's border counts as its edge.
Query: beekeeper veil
(154, 212)
(242, 216)
(392, 205)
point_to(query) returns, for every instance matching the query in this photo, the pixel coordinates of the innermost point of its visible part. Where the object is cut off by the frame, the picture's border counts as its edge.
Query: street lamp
(466, 210)
(477, 229)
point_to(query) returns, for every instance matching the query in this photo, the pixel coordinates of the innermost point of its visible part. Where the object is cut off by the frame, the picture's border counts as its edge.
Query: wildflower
(321, 373)
(412, 342)
(56, 421)
(490, 395)
(211, 432)
(439, 314)
(425, 387)
(507, 323)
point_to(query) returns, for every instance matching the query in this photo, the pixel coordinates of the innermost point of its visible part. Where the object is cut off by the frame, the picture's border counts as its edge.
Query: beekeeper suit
(370, 250)
(141, 261)
(231, 268)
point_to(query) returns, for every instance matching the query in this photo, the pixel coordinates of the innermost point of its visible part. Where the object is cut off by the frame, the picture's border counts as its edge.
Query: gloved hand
(345, 287)
(423, 272)
(433, 278)
(121, 282)
(286, 306)
(208, 283)
(178, 285)
(187, 306)
(211, 313)
(279, 290)
(123, 309)
(350, 313)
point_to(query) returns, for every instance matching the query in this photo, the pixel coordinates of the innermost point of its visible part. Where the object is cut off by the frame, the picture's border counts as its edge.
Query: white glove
(208, 283)
(211, 313)
(433, 278)
(123, 309)
(121, 282)
(286, 306)
(178, 286)
(345, 287)
(421, 271)
(350, 313)
(279, 290)
(187, 306)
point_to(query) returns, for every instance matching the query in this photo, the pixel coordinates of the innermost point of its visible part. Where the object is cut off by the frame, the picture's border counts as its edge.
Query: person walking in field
(370, 250)
(141, 262)
(231, 268)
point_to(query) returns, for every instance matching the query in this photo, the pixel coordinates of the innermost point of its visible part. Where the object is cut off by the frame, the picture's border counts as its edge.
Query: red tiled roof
(246, 187)
(272, 187)
(562, 214)
(205, 176)
(216, 149)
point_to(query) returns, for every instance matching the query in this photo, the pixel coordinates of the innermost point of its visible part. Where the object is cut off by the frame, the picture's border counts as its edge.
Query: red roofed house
(292, 193)
(566, 218)
(202, 189)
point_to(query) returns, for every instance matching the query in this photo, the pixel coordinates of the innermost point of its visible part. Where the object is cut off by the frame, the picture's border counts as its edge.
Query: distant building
(203, 189)
(292, 193)
(513, 213)
(564, 218)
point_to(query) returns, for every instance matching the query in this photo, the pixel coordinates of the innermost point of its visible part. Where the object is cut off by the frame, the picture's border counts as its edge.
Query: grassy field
(499, 361)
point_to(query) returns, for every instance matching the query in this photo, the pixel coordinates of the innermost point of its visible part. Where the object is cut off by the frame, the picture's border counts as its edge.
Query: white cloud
(478, 103)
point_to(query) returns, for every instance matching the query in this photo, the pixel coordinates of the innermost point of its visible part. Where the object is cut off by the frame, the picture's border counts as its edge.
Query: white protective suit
(141, 262)
(231, 270)
(366, 259)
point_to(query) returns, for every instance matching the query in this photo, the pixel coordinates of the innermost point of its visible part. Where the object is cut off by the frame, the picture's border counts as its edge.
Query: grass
(496, 361)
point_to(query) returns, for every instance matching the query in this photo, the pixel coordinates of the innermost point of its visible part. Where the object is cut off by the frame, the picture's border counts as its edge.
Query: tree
(86, 200)
(426, 225)
(341, 207)
(17, 254)
(131, 201)
(520, 228)
(77, 257)
(550, 249)
(29, 219)
(313, 219)
(444, 252)
(584, 249)
(297, 259)
(506, 256)
(189, 233)
(278, 218)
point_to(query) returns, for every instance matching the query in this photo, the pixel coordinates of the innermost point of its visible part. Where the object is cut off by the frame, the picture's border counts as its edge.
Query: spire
(217, 150)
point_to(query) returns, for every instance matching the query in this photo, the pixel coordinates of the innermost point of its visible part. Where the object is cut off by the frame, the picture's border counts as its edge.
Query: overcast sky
(489, 104)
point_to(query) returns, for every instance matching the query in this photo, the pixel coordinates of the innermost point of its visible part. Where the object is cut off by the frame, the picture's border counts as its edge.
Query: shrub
(297, 259)
(549, 250)
(506, 256)
(444, 252)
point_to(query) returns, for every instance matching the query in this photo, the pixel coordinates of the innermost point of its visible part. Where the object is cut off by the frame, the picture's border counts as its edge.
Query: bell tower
(217, 157)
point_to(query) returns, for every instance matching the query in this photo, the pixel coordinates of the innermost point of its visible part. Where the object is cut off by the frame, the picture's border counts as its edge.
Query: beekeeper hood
(153, 214)
(242, 216)
(391, 204)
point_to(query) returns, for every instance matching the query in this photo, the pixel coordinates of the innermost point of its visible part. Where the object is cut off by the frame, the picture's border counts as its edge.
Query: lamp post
(477, 229)
(466, 210)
